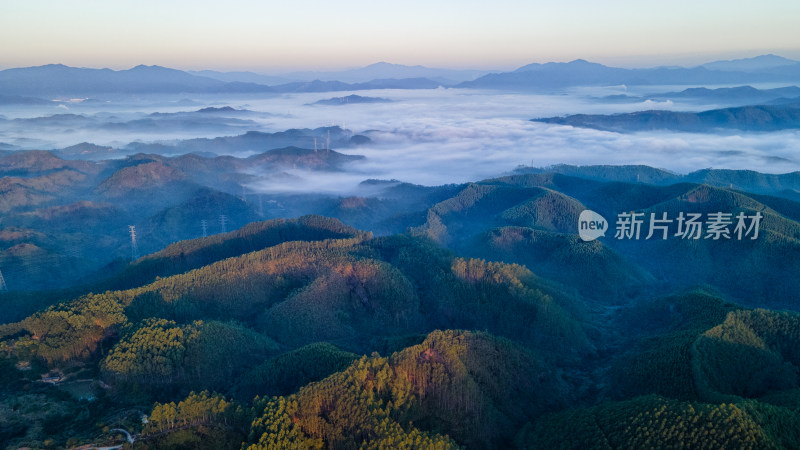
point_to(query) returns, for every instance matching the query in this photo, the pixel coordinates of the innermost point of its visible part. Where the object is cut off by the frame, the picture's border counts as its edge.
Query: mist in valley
(121, 159)
(428, 137)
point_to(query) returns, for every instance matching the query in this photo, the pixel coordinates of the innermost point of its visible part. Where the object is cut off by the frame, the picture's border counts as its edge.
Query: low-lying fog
(422, 136)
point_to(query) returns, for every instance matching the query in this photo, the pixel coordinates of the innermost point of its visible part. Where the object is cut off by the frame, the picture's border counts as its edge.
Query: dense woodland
(468, 316)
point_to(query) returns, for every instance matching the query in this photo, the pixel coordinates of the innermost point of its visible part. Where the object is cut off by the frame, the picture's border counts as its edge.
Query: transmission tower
(223, 219)
(204, 225)
(3, 286)
(134, 248)
(329, 140)
(260, 206)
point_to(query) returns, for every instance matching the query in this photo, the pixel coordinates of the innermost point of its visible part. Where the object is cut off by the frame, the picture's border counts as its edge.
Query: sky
(275, 36)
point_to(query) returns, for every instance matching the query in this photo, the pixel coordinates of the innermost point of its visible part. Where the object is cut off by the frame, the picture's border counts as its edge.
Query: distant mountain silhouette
(331, 86)
(741, 94)
(21, 100)
(57, 79)
(241, 77)
(727, 96)
(758, 63)
(257, 141)
(584, 73)
(745, 180)
(385, 70)
(748, 118)
(61, 80)
(337, 101)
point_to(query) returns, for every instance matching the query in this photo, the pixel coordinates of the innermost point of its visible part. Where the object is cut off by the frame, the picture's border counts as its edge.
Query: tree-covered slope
(469, 387)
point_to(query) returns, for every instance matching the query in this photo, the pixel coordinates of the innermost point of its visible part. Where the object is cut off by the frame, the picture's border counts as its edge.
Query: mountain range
(745, 118)
(733, 96)
(379, 70)
(755, 64)
(59, 80)
(18, 85)
(478, 319)
(583, 73)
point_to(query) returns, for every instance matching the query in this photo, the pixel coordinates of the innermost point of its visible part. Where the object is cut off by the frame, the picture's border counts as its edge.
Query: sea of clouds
(428, 137)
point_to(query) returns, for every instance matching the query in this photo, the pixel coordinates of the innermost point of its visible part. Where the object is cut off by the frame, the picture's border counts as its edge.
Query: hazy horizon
(634, 62)
(317, 35)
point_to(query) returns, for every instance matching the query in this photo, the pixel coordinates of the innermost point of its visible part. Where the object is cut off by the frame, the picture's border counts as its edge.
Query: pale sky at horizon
(319, 34)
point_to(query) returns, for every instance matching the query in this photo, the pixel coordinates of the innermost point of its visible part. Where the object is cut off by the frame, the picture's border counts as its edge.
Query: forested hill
(183, 256)
(216, 327)
(483, 321)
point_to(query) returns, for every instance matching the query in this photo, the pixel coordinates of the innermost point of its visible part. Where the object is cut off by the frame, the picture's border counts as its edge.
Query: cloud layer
(428, 137)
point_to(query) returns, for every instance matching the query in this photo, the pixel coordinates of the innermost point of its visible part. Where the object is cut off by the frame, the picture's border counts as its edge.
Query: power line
(134, 248)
